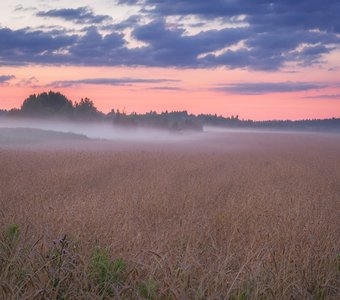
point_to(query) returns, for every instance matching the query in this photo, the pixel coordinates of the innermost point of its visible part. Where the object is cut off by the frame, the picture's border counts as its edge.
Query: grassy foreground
(246, 224)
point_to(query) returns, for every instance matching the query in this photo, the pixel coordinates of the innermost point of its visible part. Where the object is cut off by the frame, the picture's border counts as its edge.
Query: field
(231, 215)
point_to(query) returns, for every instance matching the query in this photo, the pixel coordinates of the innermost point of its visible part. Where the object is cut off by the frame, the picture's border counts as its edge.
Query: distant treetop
(46, 105)
(85, 109)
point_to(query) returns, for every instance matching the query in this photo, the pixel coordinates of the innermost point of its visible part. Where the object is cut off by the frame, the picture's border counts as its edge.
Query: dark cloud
(304, 14)
(130, 22)
(108, 81)
(166, 88)
(19, 47)
(216, 8)
(335, 96)
(260, 88)
(277, 28)
(128, 2)
(80, 15)
(298, 15)
(95, 49)
(6, 78)
(170, 47)
(276, 34)
(27, 46)
(310, 55)
(256, 59)
(165, 47)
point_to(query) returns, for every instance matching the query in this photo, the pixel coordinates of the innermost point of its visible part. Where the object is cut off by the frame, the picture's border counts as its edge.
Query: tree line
(56, 105)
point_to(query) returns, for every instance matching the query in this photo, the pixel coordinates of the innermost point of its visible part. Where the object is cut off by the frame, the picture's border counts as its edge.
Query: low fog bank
(111, 132)
(33, 134)
(278, 131)
(22, 136)
(100, 130)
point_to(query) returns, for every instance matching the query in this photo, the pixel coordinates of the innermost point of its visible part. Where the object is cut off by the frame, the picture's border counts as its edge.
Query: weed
(148, 289)
(319, 293)
(244, 293)
(104, 272)
(12, 234)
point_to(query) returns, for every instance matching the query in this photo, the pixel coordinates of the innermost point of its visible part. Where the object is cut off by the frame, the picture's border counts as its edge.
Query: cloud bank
(254, 34)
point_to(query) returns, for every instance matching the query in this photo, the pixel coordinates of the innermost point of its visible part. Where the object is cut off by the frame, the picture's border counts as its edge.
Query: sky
(256, 59)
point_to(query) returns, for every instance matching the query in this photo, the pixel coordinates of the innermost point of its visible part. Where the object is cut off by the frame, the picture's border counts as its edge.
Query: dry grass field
(227, 216)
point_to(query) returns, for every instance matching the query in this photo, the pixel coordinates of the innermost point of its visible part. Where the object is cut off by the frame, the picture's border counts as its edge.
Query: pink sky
(194, 92)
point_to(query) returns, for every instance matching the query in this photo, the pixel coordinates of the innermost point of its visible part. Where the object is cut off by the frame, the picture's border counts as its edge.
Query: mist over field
(23, 130)
(99, 130)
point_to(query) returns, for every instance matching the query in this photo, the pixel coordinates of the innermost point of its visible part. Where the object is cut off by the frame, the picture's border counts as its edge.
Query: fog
(65, 135)
(101, 130)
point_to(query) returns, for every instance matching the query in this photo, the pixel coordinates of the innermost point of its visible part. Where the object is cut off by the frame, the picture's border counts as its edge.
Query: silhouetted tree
(46, 105)
(14, 112)
(85, 109)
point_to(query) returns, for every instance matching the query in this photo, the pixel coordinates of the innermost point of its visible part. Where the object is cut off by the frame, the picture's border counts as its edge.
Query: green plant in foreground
(9, 241)
(12, 234)
(104, 271)
(244, 293)
(319, 293)
(148, 289)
